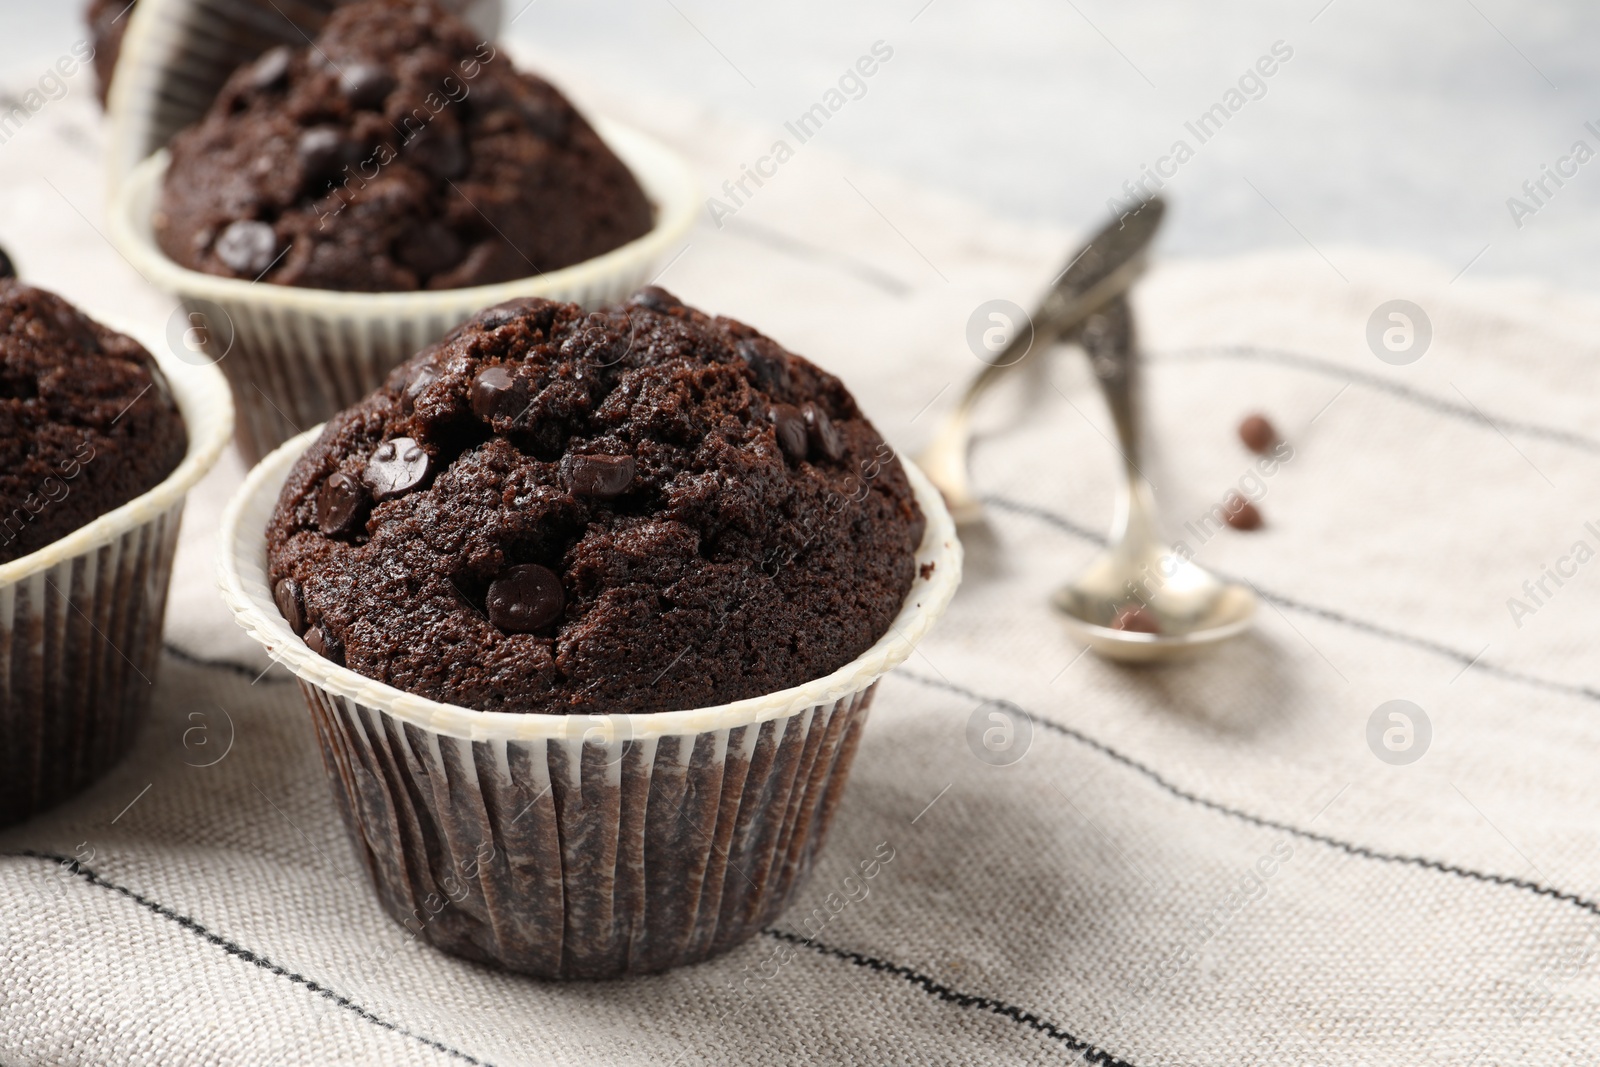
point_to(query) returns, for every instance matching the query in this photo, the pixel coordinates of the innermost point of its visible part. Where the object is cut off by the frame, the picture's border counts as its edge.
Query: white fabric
(1437, 913)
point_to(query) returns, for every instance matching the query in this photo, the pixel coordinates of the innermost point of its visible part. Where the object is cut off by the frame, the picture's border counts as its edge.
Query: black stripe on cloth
(1466, 659)
(1439, 405)
(1090, 1053)
(256, 959)
(183, 655)
(1347, 847)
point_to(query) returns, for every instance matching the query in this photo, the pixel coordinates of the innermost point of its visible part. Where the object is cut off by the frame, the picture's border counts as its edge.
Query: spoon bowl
(1192, 608)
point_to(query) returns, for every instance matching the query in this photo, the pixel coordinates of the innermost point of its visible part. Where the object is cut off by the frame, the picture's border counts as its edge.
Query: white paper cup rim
(667, 179)
(206, 406)
(242, 573)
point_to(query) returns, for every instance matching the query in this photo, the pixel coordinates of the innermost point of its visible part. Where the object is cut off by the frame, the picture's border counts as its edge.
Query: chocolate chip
(6, 268)
(291, 603)
(247, 247)
(1258, 434)
(604, 477)
(366, 85)
(545, 117)
(77, 327)
(325, 645)
(495, 317)
(430, 249)
(425, 376)
(322, 152)
(772, 372)
(341, 505)
(822, 433)
(1240, 513)
(496, 392)
(791, 428)
(655, 298)
(271, 67)
(602, 339)
(396, 468)
(1136, 620)
(442, 154)
(491, 318)
(525, 599)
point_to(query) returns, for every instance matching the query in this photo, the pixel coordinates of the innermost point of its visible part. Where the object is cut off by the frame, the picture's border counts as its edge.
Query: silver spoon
(1139, 600)
(1102, 269)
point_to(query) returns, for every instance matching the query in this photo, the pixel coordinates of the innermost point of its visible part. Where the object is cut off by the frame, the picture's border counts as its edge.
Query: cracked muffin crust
(397, 152)
(645, 508)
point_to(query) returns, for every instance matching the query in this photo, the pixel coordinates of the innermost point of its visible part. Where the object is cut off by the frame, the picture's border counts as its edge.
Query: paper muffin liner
(581, 846)
(296, 357)
(176, 54)
(80, 620)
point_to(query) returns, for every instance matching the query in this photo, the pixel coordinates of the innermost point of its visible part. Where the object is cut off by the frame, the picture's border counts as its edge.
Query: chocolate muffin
(86, 420)
(640, 509)
(397, 152)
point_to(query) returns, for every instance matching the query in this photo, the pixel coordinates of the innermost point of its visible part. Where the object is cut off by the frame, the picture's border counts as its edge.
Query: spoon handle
(1111, 341)
(1109, 338)
(1101, 270)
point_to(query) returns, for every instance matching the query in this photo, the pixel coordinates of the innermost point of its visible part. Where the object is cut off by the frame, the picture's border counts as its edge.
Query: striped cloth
(1239, 860)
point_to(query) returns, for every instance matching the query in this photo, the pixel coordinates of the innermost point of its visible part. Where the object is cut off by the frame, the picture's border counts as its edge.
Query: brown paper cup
(80, 621)
(581, 846)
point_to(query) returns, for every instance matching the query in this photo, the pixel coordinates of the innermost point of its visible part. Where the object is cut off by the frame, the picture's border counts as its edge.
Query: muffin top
(108, 23)
(397, 152)
(640, 509)
(87, 422)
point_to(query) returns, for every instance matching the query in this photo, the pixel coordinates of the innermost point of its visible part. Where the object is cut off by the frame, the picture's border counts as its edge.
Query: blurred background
(1402, 126)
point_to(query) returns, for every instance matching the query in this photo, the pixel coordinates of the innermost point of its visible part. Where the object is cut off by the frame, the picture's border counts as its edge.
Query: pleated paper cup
(581, 846)
(296, 357)
(80, 619)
